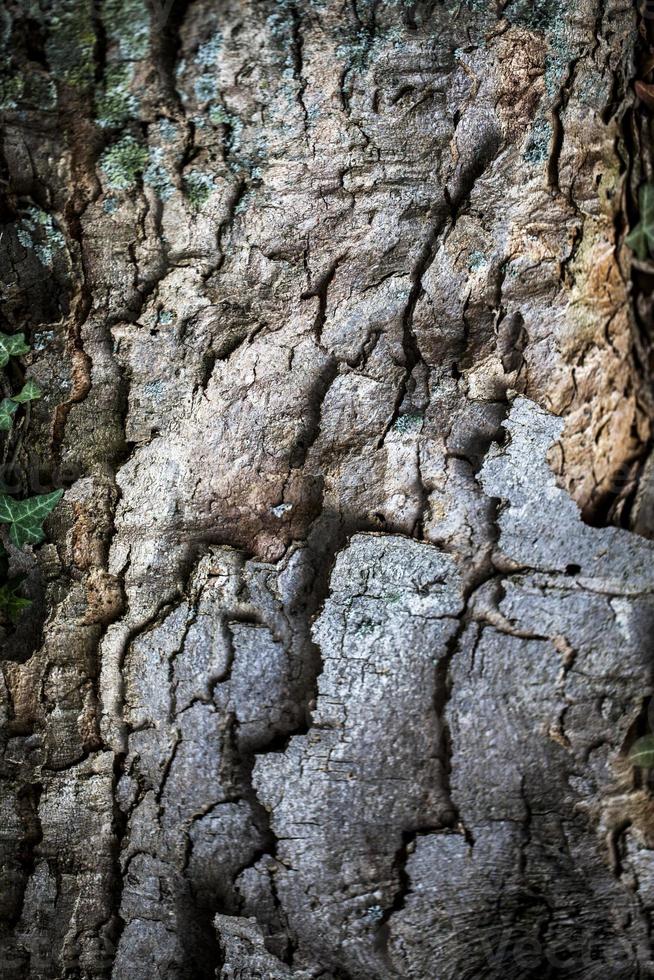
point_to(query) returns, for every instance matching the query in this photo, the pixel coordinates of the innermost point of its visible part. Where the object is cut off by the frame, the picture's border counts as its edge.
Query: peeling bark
(342, 632)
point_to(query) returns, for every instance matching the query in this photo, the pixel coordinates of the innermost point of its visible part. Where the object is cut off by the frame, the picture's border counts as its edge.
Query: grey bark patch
(542, 528)
(245, 953)
(372, 764)
(538, 713)
(274, 356)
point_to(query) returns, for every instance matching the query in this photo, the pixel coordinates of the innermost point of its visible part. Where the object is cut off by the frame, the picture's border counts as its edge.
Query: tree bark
(343, 629)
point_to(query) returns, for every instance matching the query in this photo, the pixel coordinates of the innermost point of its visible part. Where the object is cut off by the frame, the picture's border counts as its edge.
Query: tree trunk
(342, 632)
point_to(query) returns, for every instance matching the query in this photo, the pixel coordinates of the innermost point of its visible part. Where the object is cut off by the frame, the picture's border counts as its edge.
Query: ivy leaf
(7, 408)
(637, 241)
(12, 345)
(30, 392)
(25, 517)
(11, 604)
(642, 752)
(641, 238)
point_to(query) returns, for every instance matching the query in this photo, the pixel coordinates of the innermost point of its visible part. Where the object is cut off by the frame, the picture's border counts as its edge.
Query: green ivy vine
(641, 238)
(24, 517)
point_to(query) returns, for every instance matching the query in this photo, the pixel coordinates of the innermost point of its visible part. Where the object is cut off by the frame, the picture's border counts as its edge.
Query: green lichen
(244, 203)
(551, 18)
(277, 26)
(154, 390)
(411, 422)
(198, 187)
(11, 92)
(37, 231)
(168, 130)
(477, 261)
(123, 162)
(219, 116)
(208, 52)
(363, 47)
(71, 42)
(556, 70)
(543, 15)
(156, 175)
(465, 10)
(538, 146)
(116, 104)
(42, 339)
(355, 51)
(204, 88)
(30, 89)
(127, 22)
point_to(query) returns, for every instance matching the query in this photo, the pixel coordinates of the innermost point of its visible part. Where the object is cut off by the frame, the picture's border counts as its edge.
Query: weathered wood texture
(326, 676)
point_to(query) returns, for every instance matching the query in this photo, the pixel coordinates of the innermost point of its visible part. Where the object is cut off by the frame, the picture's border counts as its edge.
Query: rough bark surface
(334, 661)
